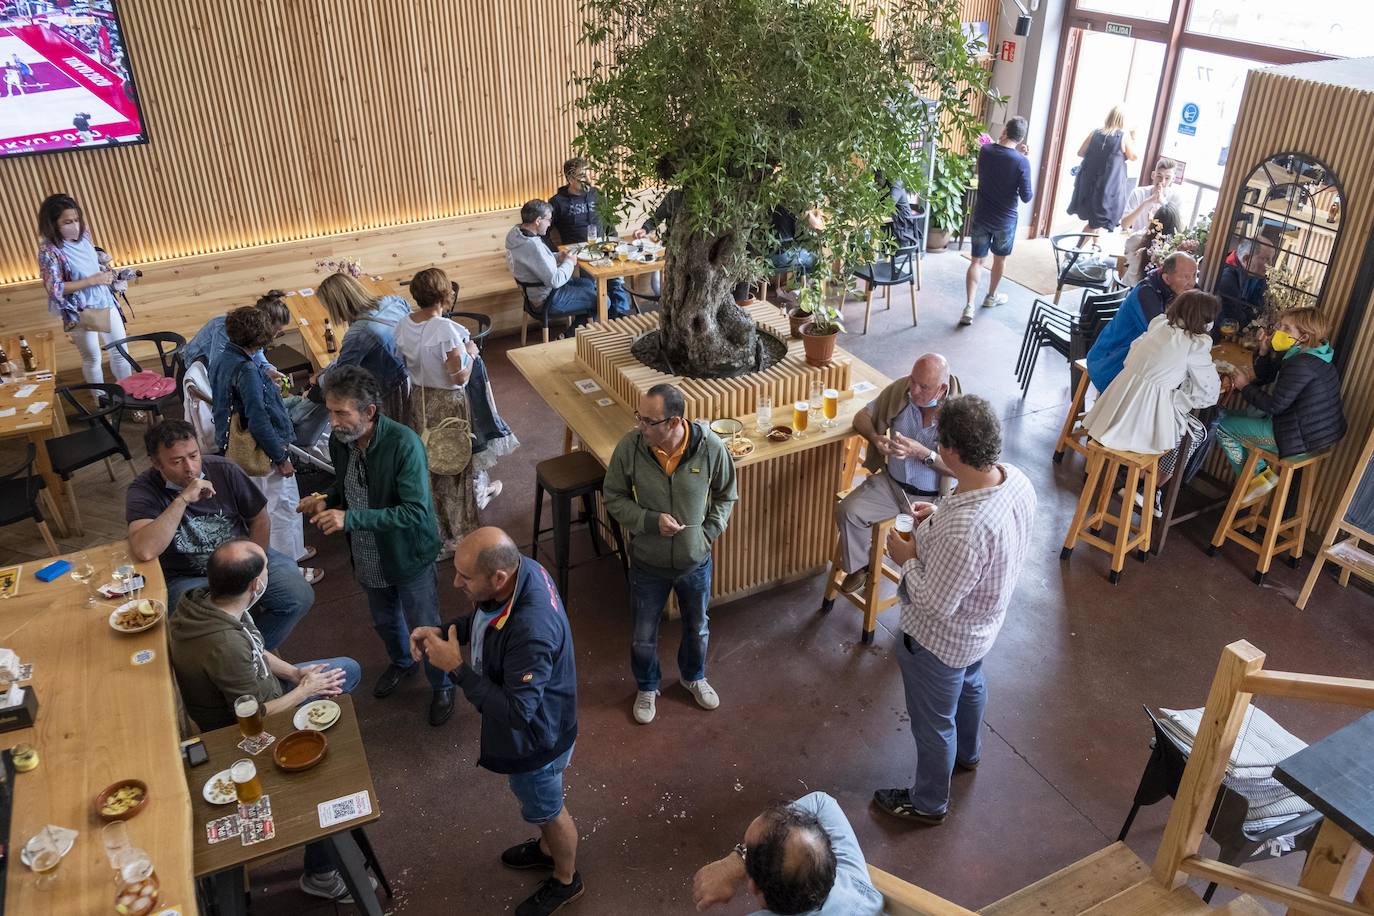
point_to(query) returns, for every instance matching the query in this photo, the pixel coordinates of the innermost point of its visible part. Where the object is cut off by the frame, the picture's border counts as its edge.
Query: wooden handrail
(1347, 691)
(906, 899)
(1249, 882)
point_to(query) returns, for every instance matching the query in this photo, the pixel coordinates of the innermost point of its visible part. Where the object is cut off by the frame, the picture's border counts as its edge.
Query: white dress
(1168, 372)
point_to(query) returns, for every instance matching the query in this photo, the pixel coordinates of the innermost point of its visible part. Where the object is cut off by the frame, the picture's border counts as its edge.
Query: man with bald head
(899, 425)
(797, 858)
(521, 677)
(1148, 300)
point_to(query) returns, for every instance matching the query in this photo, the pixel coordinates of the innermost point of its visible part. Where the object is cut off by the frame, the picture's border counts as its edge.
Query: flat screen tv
(65, 78)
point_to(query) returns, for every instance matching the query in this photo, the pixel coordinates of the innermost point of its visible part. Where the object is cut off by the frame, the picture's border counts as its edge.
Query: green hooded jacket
(217, 659)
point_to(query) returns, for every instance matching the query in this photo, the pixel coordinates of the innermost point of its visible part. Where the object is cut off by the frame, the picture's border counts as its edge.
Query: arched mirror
(1282, 238)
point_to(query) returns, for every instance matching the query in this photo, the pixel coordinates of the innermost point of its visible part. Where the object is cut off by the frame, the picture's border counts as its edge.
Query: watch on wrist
(739, 851)
(929, 459)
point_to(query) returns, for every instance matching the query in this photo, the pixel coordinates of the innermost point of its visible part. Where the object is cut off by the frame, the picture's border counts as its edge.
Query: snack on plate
(1223, 366)
(223, 787)
(129, 618)
(738, 448)
(779, 434)
(120, 801)
(320, 714)
(146, 609)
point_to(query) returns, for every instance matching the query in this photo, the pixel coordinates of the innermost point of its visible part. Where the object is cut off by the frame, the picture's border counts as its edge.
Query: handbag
(94, 320)
(448, 443)
(243, 449)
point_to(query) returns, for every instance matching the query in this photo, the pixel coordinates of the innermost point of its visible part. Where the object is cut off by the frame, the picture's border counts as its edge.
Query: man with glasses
(671, 483)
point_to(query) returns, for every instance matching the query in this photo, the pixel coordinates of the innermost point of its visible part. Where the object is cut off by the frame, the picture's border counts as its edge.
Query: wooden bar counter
(101, 718)
(782, 528)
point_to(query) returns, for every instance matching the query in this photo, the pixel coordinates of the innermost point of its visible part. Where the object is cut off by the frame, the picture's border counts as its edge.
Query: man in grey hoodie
(530, 261)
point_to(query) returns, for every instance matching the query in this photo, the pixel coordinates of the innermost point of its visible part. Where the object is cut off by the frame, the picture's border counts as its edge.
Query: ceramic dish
(739, 448)
(121, 617)
(727, 427)
(300, 751)
(316, 716)
(780, 434)
(219, 789)
(121, 800)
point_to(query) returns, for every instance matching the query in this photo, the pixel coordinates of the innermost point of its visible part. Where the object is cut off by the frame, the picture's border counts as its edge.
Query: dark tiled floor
(804, 706)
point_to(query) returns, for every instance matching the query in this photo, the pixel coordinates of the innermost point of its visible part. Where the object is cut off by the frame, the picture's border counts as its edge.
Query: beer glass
(830, 405)
(249, 713)
(44, 855)
(904, 524)
(1228, 330)
(246, 784)
(800, 412)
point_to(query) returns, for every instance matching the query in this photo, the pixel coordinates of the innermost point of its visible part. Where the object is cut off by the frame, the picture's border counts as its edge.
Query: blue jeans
(578, 297)
(353, 672)
(280, 608)
(648, 594)
(946, 709)
(397, 609)
(540, 792)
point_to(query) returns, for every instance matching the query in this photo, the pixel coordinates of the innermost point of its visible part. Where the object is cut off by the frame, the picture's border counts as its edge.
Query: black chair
(898, 268)
(169, 347)
(20, 491)
(540, 313)
(574, 475)
(100, 440)
(483, 322)
(1069, 335)
(1226, 823)
(1072, 260)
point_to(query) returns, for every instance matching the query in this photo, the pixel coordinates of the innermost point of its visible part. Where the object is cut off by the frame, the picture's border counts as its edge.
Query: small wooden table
(48, 421)
(311, 314)
(295, 797)
(101, 718)
(604, 273)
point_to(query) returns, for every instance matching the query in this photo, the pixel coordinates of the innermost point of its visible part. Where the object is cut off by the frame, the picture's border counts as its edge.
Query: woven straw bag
(448, 443)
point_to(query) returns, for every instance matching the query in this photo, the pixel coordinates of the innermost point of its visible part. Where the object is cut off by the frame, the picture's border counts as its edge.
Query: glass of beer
(246, 784)
(45, 855)
(1229, 329)
(249, 713)
(830, 405)
(800, 412)
(904, 524)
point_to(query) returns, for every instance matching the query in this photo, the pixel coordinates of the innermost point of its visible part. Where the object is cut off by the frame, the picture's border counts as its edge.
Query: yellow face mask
(1281, 341)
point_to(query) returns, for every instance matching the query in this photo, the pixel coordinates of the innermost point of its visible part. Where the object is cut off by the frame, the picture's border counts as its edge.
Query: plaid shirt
(955, 593)
(367, 562)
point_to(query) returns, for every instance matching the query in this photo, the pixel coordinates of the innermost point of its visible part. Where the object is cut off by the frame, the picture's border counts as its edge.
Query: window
(1336, 27)
(1158, 10)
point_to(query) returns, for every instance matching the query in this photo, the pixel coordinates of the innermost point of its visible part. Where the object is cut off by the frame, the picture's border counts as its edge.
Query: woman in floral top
(77, 279)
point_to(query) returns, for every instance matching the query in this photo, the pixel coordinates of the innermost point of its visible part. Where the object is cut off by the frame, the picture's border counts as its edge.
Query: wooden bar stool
(576, 475)
(1072, 435)
(869, 600)
(1267, 511)
(1103, 466)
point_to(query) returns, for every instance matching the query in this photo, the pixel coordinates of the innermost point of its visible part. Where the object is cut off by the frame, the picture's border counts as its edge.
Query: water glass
(114, 836)
(764, 414)
(83, 571)
(813, 397)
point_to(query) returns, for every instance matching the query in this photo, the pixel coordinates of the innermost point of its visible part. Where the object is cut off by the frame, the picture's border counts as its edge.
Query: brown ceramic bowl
(108, 793)
(780, 434)
(300, 751)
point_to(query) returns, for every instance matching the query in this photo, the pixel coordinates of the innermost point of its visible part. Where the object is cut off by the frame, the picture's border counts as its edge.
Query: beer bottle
(26, 354)
(5, 368)
(329, 344)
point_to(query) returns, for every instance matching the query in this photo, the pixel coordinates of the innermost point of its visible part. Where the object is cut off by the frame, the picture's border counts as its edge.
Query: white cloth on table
(425, 345)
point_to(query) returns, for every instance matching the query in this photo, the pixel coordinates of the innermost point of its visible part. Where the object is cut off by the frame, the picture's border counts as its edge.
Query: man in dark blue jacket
(522, 678)
(1148, 300)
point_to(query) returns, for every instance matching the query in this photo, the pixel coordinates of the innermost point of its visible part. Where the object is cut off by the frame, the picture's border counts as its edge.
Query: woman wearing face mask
(1168, 373)
(78, 278)
(1294, 393)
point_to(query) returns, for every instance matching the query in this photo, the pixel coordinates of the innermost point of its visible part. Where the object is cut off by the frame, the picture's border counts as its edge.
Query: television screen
(65, 78)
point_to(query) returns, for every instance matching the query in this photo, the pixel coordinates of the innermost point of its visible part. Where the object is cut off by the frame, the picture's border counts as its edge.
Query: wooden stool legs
(869, 599)
(1103, 467)
(1067, 437)
(1243, 518)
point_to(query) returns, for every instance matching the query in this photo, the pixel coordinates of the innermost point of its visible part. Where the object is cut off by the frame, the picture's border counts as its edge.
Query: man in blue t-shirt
(1004, 175)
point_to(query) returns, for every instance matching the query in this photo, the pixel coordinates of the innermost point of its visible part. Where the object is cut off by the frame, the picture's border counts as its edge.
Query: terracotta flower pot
(819, 347)
(796, 320)
(938, 240)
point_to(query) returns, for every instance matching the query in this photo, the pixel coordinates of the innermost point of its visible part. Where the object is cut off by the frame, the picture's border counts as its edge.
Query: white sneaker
(704, 693)
(1260, 485)
(645, 706)
(966, 317)
(991, 302)
(491, 492)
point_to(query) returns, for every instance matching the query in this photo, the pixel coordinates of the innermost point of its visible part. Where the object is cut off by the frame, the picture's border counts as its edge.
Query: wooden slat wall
(1310, 108)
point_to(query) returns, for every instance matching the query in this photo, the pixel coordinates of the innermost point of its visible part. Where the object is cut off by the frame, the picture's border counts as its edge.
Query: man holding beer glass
(899, 425)
(225, 674)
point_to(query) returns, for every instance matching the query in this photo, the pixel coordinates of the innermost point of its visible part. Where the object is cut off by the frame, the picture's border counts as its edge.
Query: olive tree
(737, 107)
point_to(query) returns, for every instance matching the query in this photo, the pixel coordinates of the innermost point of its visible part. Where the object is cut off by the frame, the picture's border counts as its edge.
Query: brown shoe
(855, 581)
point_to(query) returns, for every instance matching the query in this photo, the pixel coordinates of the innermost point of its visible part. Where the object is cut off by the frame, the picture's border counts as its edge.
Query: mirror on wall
(1282, 235)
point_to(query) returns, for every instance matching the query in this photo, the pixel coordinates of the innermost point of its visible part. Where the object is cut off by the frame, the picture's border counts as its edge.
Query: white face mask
(72, 232)
(258, 591)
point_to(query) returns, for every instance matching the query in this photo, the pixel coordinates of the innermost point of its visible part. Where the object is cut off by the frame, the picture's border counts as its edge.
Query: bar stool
(565, 478)
(1104, 464)
(1073, 435)
(869, 600)
(1268, 510)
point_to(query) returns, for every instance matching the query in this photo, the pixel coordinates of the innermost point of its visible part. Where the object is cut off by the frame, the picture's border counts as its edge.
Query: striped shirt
(954, 594)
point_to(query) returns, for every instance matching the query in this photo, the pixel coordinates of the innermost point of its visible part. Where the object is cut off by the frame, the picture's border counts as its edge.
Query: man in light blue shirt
(801, 858)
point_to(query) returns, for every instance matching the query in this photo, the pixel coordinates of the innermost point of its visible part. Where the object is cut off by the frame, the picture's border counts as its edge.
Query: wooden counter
(100, 719)
(48, 421)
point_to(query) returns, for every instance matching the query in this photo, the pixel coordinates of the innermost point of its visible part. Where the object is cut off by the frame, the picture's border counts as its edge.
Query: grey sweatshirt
(530, 261)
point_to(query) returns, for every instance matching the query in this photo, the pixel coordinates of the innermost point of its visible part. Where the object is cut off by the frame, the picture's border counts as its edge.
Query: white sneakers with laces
(646, 701)
(645, 706)
(991, 302)
(703, 692)
(966, 317)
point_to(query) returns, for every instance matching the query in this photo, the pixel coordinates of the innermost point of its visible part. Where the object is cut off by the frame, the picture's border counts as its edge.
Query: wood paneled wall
(1310, 108)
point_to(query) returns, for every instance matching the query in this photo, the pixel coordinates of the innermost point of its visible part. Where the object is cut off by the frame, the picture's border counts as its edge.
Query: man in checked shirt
(958, 574)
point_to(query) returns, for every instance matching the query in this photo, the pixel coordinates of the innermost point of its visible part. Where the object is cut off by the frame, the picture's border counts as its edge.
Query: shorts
(540, 791)
(999, 241)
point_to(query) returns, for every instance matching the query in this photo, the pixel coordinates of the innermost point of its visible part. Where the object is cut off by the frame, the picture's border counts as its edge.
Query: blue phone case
(52, 571)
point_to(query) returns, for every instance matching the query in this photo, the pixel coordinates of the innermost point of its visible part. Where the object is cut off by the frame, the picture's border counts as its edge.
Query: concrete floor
(805, 706)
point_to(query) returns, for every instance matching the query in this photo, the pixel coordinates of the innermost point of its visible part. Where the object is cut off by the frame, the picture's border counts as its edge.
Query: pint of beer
(249, 713)
(903, 525)
(800, 411)
(830, 405)
(246, 784)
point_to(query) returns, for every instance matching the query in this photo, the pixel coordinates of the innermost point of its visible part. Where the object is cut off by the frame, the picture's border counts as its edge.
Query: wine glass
(83, 570)
(44, 857)
(123, 571)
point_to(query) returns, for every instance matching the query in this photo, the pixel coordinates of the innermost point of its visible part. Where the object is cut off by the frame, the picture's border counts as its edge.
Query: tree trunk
(705, 334)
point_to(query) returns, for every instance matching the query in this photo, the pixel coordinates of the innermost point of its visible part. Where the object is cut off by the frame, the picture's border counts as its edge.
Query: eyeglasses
(645, 421)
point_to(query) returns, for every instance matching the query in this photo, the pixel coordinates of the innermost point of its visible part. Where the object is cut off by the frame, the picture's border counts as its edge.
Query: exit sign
(1116, 28)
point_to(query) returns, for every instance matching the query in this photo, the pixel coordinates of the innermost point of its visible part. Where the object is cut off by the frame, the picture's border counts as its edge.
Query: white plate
(208, 793)
(157, 605)
(302, 718)
(585, 255)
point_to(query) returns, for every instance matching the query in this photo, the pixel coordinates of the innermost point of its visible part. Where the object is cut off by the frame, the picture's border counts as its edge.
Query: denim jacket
(242, 385)
(371, 343)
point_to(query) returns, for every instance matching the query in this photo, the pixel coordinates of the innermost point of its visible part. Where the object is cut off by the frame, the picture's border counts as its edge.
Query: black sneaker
(526, 855)
(897, 802)
(551, 896)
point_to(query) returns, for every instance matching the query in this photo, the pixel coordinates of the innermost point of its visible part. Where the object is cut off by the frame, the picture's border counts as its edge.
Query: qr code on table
(347, 808)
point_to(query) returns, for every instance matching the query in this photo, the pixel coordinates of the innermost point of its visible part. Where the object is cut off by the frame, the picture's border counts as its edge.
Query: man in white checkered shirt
(958, 574)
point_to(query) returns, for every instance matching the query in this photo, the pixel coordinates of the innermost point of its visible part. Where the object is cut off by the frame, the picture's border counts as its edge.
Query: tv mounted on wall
(65, 78)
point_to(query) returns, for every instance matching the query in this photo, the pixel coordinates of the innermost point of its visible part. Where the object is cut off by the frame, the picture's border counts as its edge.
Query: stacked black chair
(1068, 334)
(20, 492)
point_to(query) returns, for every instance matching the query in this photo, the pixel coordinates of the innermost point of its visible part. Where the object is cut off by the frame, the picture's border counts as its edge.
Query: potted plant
(953, 174)
(819, 333)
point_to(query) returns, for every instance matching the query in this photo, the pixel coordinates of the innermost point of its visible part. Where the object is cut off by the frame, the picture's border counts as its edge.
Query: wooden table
(47, 422)
(100, 719)
(311, 314)
(782, 528)
(614, 269)
(294, 800)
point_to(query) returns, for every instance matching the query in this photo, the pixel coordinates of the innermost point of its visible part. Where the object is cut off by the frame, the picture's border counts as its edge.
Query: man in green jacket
(380, 499)
(671, 484)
